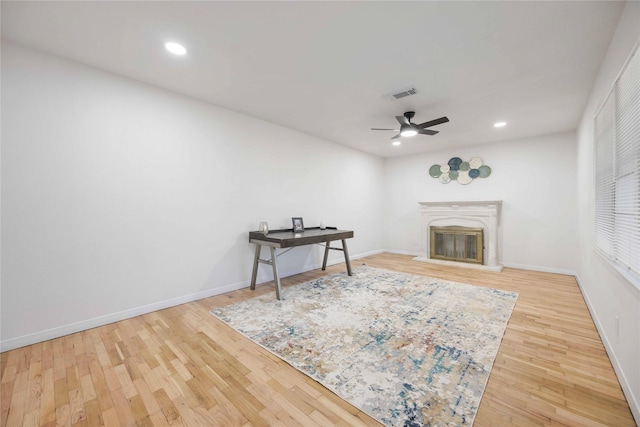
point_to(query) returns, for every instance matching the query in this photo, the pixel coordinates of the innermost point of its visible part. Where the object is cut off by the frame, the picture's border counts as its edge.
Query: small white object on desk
(263, 227)
(322, 225)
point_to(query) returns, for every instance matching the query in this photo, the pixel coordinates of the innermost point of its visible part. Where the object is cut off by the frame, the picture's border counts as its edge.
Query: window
(617, 173)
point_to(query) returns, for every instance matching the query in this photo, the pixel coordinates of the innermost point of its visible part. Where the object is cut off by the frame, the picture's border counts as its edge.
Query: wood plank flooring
(181, 366)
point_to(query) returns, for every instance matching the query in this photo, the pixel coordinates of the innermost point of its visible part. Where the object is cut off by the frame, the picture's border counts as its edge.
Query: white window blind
(617, 172)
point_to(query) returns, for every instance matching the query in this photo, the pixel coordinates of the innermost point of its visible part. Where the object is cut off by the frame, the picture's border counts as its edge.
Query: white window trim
(624, 271)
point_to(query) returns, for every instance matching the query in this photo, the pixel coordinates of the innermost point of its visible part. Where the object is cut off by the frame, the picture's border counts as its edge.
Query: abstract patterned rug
(408, 350)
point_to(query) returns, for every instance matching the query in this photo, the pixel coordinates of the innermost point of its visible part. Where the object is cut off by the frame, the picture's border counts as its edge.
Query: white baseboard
(338, 260)
(71, 328)
(394, 251)
(497, 268)
(503, 264)
(632, 399)
(60, 331)
(564, 271)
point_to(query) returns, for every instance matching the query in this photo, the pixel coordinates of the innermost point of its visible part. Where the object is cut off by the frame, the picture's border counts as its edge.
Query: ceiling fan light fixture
(408, 132)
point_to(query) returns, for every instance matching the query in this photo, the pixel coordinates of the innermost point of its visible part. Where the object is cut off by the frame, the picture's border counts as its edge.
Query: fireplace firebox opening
(454, 243)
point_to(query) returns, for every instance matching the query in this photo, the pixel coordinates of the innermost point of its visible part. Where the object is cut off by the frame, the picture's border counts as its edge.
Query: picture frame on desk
(298, 224)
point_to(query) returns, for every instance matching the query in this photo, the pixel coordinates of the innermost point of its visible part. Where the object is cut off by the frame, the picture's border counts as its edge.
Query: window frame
(607, 228)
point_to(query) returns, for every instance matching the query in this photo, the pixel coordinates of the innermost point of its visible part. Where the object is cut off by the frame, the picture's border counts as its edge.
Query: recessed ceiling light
(396, 143)
(175, 48)
(499, 124)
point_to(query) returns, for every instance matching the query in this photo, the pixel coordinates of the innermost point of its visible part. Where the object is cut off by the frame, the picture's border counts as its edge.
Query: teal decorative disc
(484, 171)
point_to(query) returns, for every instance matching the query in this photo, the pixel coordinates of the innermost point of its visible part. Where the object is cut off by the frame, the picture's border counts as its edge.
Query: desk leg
(326, 255)
(256, 261)
(276, 278)
(346, 256)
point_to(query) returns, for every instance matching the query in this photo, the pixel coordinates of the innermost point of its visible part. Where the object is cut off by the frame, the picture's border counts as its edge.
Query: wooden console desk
(288, 239)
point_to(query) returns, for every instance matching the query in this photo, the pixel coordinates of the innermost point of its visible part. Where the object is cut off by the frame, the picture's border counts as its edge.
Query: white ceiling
(323, 68)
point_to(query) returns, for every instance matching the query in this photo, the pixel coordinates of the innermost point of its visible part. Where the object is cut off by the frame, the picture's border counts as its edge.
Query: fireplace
(463, 215)
(461, 244)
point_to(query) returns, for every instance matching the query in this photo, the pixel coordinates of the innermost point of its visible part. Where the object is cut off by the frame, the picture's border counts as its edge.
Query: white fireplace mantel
(485, 214)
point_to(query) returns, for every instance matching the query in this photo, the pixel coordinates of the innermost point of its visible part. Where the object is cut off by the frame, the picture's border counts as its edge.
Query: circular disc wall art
(460, 171)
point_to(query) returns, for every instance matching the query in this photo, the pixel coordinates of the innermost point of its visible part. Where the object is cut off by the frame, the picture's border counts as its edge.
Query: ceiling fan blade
(384, 129)
(427, 132)
(396, 137)
(402, 120)
(432, 122)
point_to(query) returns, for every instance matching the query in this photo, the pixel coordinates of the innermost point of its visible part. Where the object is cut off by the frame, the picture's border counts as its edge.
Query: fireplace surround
(474, 214)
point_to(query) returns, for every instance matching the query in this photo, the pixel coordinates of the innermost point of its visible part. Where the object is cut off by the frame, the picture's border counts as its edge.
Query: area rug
(408, 350)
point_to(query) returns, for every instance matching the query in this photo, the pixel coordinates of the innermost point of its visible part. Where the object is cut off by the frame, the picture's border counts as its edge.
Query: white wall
(534, 178)
(607, 293)
(120, 198)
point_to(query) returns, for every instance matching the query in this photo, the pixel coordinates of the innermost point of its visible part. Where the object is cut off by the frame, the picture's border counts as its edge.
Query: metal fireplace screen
(462, 244)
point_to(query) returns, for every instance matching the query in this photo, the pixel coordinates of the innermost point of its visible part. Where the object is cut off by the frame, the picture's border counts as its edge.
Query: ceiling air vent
(401, 93)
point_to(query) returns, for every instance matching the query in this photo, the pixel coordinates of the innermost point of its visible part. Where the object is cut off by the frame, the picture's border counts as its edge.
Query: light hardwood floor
(182, 366)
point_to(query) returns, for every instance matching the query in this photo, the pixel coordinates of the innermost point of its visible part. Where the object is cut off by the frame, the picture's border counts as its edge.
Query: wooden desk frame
(289, 239)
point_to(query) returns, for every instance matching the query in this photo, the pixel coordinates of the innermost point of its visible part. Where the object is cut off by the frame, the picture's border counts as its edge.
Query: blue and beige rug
(408, 350)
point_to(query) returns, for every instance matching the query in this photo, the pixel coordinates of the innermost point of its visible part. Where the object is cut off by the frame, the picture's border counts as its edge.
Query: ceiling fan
(407, 128)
